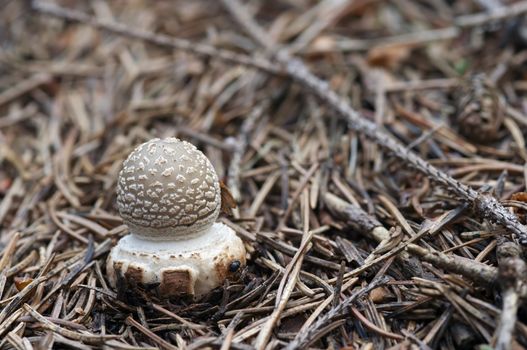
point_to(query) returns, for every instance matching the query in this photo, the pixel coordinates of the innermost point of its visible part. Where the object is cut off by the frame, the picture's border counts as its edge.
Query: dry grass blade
(156, 339)
(513, 276)
(289, 280)
(371, 227)
(163, 40)
(88, 338)
(307, 337)
(486, 206)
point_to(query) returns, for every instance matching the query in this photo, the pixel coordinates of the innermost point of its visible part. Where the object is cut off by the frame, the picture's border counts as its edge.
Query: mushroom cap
(168, 190)
(191, 267)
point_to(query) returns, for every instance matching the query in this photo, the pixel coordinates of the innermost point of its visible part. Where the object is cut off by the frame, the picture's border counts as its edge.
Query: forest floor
(376, 151)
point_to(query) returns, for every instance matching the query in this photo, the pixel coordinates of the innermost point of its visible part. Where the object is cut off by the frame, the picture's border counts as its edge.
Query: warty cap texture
(167, 190)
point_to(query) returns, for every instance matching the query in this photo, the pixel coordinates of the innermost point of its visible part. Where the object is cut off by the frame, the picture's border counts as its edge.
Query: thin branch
(485, 205)
(423, 37)
(233, 174)
(497, 14)
(24, 86)
(158, 39)
(84, 337)
(369, 225)
(305, 338)
(289, 281)
(512, 274)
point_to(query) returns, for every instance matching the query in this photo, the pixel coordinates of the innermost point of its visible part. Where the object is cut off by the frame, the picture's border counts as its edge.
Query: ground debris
(389, 214)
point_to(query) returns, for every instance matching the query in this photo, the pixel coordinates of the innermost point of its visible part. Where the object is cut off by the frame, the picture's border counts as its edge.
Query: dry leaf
(519, 196)
(22, 282)
(227, 200)
(379, 295)
(388, 57)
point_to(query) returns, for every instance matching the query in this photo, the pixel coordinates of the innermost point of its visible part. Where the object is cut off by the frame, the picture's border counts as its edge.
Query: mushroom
(168, 194)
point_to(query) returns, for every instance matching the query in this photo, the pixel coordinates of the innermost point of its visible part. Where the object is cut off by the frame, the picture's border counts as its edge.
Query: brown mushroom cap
(168, 190)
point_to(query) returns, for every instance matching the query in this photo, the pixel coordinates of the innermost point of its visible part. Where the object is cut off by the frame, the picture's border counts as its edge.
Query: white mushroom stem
(193, 266)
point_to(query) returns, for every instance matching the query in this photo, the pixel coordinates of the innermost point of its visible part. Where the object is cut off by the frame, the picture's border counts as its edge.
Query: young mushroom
(168, 195)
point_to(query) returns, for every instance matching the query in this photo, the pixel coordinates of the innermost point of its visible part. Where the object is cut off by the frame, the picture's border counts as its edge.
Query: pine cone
(479, 110)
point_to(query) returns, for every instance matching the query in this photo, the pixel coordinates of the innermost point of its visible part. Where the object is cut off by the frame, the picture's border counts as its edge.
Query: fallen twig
(513, 277)
(304, 339)
(486, 206)
(374, 229)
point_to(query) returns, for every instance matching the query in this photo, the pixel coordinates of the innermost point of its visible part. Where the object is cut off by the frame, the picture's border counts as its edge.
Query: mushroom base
(181, 268)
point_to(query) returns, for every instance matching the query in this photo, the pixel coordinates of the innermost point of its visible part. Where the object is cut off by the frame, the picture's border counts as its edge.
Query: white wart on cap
(166, 189)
